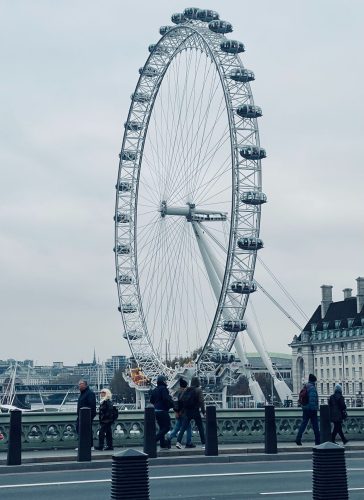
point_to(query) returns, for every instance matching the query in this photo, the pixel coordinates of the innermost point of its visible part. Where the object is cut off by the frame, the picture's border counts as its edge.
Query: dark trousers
(338, 429)
(186, 419)
(309, 415)
(164, 424)
(105, 431)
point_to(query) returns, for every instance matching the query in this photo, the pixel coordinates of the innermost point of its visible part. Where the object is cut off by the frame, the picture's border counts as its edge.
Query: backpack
(188, 399)
(303, 396)
(115, 413)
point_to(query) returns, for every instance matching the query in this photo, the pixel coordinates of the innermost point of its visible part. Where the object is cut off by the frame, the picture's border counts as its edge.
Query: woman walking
(106, 419)
(337, 413)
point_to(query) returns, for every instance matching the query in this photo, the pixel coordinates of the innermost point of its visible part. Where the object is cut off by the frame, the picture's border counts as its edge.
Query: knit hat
(183, 383)
(312, 378)
(161, 380)
(338, 388)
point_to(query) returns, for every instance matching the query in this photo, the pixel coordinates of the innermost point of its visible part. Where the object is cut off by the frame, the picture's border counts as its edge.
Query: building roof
(342, 311)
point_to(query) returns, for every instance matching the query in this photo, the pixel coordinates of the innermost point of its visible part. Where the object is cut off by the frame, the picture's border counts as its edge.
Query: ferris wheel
(188, 198)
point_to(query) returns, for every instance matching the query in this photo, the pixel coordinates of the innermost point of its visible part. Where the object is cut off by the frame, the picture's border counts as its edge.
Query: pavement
(53, 460)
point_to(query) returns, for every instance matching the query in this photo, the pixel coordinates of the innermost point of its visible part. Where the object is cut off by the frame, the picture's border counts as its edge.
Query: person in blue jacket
(309, 411)
(162, 401)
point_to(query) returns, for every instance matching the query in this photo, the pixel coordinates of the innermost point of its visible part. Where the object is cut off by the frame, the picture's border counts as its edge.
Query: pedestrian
(106, 418)
(178, 412)
(162, 401)
(309, 411)
(193, 402)
(337, 413)
(86, 399)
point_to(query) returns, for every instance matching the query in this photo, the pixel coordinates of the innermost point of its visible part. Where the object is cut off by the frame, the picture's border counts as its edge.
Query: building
(331, 346)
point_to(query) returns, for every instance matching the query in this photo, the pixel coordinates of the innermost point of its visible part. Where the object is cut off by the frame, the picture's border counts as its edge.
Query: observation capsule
(219, 26)
(127, 308)
(133, 335)
(140, 97)
(165, 29)
(232, 46)
(123, 186)
(253, 153)
(178, 18)
(124, 279)
(243, 287)
(191, 12)
(148, 71)
(253, 198)
(122, 217)
(237, 325)
(122, 249)
(207, 15)
(242, 75)
(249, 111)
(222, 357)
(157, 49)
(133, 126)
(128, 155)
(250, 243)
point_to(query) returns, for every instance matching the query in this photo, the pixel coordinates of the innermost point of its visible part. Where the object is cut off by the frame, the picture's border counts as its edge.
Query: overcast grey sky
(67, 71)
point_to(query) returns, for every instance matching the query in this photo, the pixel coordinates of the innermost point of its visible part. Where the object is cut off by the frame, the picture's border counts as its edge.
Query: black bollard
(270, 430)
(84, 436)
(211, 448)
(325, 425)
(150, 444)
(129, 476)
(14, 441)
(329, 473)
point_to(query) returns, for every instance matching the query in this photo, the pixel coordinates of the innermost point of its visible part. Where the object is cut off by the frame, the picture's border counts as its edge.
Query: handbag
(344, 414)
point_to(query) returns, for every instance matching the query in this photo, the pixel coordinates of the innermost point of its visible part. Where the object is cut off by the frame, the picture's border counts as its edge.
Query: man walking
(86, 399)
(192, 403)
(162, 401)
(309, 406)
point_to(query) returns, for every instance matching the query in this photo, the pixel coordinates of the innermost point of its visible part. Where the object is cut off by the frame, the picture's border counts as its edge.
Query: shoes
(298, 442)
(178, 445)
(168, 443)
(190, 445)
(203, 446)
(98, 448)
(108, 448)
(345, 441)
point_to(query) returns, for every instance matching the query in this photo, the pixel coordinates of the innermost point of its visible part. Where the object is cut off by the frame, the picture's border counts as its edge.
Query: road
(230, 481)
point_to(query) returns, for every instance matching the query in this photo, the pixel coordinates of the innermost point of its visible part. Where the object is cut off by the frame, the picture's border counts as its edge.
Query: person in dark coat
(337, 407)
(191, 411)
(178, 411)
(106, 420)
(86, 399)
(309, 411)
(162, 401)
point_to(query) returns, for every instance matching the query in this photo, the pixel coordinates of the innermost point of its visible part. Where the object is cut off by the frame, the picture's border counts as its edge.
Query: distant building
(331, 346)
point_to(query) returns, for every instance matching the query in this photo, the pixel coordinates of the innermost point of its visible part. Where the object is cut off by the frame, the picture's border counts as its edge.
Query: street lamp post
(343, 365)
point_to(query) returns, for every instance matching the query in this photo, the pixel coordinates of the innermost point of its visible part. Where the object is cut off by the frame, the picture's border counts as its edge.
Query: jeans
(307, 416)
(177, 428)
(164, 424)
(186, 419)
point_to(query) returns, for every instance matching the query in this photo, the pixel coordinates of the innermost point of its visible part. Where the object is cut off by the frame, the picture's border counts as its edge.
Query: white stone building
(331, 346)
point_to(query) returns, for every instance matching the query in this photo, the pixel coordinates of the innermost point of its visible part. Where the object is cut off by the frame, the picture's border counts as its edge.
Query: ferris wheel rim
(156, 365)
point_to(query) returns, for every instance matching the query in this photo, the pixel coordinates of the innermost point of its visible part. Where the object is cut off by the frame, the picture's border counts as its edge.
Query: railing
(58, 430)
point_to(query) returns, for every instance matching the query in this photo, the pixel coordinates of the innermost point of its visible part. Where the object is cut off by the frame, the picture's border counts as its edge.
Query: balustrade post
(325, 424)
(211, 447)
(270, 430)
(84, 436)
(14, 441)
(150, 444)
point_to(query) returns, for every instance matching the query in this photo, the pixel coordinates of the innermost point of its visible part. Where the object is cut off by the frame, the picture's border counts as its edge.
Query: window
(347, 372)
(340, 373)
(360, 372)
(333, 360)
(339, 360)
(321, 361)
(327, 360)
(359, 358)
(346, 360)
(322, 373)
(328, 373)
(353, 358)
(328, 388)
(315, 361)
(353, 373)
(334, 373)
(322, 388)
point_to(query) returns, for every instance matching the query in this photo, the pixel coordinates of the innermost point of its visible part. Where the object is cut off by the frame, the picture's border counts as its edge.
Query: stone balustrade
(57, 430)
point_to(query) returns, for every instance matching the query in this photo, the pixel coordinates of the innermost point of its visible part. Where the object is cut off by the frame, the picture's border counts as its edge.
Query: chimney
(326, 293)
(360, 294)
(347, 293)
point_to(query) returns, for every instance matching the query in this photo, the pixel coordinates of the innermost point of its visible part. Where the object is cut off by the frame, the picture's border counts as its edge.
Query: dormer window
(325, 325)
(350, 322)
(337, 323)
(313, 327)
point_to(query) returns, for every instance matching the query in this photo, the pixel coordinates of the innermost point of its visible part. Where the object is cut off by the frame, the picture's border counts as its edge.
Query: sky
(67, 71)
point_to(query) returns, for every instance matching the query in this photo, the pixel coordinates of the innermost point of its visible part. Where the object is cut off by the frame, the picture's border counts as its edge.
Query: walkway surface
(41, 460)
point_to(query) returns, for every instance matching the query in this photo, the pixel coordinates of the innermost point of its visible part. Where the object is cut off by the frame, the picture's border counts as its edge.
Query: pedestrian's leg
(176, 428)
(340, 432)
(301, 430)
(315, 426)
(189, 435)
(164, 422)
(185, 421)
(201, 430)
(334, 432)
(101, 436)
(159, 419)
(108, 434)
